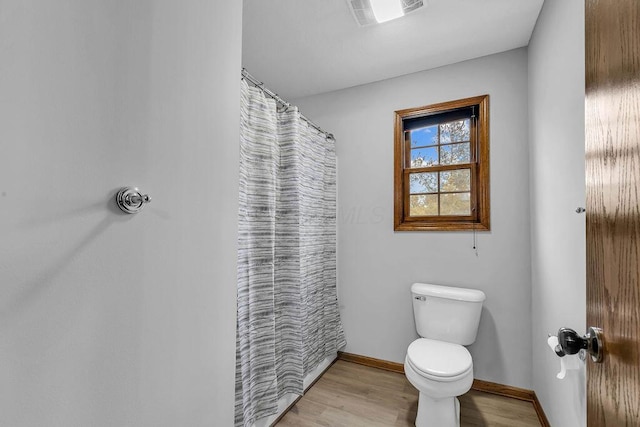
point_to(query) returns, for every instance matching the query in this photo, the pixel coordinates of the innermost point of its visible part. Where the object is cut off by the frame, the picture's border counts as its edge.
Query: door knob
(569, 342)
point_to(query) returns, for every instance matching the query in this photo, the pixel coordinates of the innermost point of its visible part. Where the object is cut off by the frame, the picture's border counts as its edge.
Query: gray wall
(108, 319)
(556, 114)
(378, 265)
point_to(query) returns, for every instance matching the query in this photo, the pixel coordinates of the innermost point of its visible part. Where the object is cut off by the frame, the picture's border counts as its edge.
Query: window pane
(423, 157)
(426, 182)
(455, 154)
(459, 130)
(424, 136)
(423, 204)
(455, 180)
(455, 204)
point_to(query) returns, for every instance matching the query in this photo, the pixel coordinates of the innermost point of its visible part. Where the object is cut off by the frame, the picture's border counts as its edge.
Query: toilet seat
(438, 360)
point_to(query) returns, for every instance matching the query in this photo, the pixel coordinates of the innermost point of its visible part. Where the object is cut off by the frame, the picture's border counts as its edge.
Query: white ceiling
(305, 47)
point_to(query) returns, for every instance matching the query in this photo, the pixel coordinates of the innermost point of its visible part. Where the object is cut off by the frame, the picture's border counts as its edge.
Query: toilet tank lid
(449, 292)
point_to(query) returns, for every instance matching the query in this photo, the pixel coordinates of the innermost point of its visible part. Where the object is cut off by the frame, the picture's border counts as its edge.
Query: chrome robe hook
(130, 200)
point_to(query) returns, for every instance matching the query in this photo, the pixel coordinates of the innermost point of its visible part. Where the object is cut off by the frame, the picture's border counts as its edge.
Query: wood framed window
(441, 174)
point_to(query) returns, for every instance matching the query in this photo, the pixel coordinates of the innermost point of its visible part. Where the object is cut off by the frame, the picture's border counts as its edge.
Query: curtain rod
(255, 82)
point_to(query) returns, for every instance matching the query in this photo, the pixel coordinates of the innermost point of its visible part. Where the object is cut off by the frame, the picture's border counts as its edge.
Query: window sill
(441, 226)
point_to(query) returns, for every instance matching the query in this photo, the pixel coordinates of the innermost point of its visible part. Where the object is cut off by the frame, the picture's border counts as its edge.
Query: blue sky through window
(424, 136)
(422, 157)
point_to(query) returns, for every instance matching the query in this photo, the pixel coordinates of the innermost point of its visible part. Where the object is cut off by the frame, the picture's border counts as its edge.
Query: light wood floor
(352, 395)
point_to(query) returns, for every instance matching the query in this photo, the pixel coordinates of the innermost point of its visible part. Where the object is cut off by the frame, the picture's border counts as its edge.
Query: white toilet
(437, 364)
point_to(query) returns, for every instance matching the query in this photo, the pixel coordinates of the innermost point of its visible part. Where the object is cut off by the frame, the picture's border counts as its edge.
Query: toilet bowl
(440, 371)
(438, 365)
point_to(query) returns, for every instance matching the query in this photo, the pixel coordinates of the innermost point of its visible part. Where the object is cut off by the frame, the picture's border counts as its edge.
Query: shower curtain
(288, 320)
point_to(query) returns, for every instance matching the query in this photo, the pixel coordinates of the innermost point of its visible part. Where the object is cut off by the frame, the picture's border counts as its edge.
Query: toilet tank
(446, 313)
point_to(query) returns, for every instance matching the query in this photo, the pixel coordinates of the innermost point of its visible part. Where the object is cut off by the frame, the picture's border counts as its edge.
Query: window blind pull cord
(475, 246)
(475, 160)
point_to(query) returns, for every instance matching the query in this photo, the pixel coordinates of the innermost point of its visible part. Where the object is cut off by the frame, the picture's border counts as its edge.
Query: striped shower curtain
(288, 320)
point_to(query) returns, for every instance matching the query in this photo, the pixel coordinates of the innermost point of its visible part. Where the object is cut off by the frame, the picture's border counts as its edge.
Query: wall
(109, 319)
(377, 265)
(556, 114)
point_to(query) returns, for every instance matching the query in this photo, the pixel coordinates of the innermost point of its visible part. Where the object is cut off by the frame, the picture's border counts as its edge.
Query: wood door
(612, 30)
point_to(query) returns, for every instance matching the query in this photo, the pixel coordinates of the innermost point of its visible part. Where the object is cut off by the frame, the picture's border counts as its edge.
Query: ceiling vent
(363, 13)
